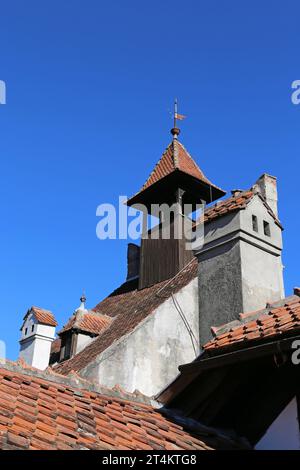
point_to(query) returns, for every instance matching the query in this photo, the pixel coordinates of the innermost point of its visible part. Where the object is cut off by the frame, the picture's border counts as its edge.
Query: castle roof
(89, 322)
(128, 306)
(45, 411)
(238, 201)
(175, 161)
(276, 320)
(43, 316)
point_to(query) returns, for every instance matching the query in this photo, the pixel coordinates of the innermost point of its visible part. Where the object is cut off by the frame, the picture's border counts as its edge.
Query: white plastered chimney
(37, 335)
(267, 186)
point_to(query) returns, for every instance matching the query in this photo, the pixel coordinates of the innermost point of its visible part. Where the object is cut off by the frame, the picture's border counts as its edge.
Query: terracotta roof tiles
(128, 306)
(90, 322)
(238, 201)
(43, 316)
(280, 318)
(33, 417)
(175, 158)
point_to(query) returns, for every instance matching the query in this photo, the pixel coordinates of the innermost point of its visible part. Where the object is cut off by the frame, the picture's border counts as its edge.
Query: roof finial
(176, 131)
(82, 300)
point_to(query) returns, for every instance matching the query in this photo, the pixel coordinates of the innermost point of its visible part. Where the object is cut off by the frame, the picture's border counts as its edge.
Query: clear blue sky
(89, 85)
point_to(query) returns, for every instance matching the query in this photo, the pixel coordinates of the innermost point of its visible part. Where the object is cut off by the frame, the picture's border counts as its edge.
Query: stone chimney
(133, 261)
(267, 186)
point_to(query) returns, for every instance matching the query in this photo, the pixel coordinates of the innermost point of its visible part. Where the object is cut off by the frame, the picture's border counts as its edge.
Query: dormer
(80, 330)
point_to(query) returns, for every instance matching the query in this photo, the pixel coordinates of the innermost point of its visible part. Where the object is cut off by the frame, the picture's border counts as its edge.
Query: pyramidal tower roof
(175, 157)
(176, 163)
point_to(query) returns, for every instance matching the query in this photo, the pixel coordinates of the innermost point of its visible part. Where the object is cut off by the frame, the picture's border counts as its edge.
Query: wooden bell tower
(175, 181)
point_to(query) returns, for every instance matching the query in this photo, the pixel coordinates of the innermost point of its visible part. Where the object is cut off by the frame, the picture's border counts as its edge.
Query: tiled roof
(236, 202)
(282, 317)
(176, 157)
(227, 206)
(128, 306)
(39, 412)
(43, 316)
(131, 305)
(90, 322)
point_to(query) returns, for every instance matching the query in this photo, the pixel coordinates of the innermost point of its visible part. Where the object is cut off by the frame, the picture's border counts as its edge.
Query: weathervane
(176, 131)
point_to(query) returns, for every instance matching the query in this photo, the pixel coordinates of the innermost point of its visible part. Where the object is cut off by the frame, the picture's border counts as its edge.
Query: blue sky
(89, 86)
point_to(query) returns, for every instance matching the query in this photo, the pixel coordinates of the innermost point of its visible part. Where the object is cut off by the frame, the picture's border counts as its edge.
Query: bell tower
(175, 183)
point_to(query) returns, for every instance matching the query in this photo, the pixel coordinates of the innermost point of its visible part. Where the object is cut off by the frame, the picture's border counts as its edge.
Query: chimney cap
(267, 175)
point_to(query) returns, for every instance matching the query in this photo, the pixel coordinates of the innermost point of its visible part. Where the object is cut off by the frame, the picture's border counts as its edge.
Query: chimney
(37, 335)
(267, 186)
(133, 261)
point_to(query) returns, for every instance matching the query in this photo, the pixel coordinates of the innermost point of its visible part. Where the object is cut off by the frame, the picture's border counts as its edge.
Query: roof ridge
(107, 407)
(43, 316)
(33, 307)
(175, 154)
(157, 165)
(75, 381)
(138, 310)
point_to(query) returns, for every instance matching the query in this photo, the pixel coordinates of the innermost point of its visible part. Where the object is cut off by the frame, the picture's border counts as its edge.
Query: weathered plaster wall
(148, 358)
(220, 287)
(35, 345)
(36, 351)
(283, 434)
(26, 351)
(262, 269)
(262, 279)
(82, 342)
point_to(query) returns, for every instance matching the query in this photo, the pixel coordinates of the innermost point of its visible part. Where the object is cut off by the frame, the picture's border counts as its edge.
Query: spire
(175, 131)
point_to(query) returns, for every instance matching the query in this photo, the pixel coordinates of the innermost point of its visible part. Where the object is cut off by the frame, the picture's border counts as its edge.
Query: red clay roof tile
(90, 322)
(234, 203)
(128, 306)
(276, 321)
(45, 317)
(175, 158)
(96, 428)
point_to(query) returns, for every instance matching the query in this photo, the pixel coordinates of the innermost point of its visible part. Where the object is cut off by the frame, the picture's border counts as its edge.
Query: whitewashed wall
(35, 345)
(147, 359)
